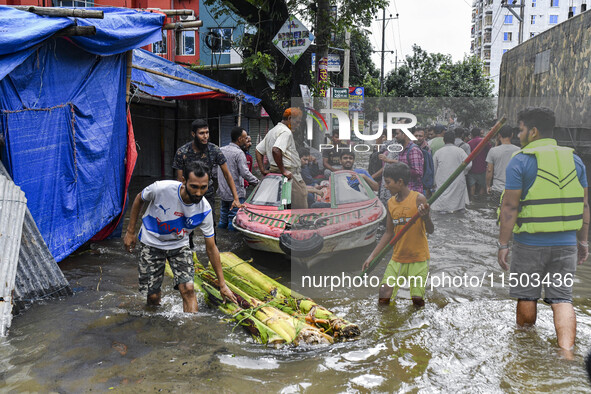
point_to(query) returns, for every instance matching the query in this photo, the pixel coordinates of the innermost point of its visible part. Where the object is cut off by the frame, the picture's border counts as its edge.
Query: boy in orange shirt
(410, 257)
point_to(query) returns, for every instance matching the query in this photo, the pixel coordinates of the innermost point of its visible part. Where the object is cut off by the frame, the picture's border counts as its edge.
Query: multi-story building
(495, 29)
(220, 36)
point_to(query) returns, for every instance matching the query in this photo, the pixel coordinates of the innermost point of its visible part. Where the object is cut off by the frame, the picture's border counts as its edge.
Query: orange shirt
(413, 246)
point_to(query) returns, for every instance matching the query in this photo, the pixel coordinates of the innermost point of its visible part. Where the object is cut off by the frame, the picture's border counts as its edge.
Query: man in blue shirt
(348, 162)
(545, 206)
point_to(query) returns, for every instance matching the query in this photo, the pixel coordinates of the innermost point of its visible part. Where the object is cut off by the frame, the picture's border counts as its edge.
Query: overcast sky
(435, 25)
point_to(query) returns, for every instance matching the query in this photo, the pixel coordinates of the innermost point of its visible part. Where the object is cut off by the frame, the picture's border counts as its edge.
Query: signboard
(334, 62)
(293, 39)
(340, 99)
(306, 96)
(356, 95)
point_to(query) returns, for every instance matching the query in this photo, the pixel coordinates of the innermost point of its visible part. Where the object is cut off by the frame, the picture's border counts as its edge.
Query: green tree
(434, 75)
(262, 62)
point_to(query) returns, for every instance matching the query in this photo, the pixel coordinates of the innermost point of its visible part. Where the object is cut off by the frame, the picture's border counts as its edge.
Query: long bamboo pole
(495, 129)
(61, 12)
(178, 79)
(182, 25)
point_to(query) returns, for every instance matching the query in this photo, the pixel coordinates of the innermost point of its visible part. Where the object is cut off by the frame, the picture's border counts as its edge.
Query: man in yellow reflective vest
(545, 207)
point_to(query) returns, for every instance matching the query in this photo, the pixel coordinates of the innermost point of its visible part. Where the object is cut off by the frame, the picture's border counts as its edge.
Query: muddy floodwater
(103, 337)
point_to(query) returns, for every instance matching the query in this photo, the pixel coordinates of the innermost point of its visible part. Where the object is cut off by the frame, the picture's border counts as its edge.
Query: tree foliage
(434, 75)
(263, 62)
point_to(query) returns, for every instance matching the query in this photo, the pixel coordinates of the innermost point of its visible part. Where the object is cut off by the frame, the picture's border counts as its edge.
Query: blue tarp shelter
(157, 85)
(63, 117)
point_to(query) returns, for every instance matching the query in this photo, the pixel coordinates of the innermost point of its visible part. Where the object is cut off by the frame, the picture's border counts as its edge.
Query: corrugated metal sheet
(38, 276)
(12, 212)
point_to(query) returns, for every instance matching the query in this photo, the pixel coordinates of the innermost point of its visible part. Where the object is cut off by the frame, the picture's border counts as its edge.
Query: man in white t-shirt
(174, 210)
(280, 149)
(497, 160)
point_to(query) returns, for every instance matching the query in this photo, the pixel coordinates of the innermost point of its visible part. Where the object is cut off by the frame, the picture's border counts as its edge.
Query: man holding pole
(545, 206)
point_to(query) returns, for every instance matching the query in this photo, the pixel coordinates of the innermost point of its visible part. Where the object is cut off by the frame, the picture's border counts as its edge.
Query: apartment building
(495, 29)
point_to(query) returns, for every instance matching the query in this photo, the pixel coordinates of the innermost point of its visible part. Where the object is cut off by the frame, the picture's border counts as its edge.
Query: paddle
(495, 129)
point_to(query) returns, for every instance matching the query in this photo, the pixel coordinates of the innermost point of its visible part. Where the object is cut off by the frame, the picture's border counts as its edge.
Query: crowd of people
(541, 188)
(484, 176)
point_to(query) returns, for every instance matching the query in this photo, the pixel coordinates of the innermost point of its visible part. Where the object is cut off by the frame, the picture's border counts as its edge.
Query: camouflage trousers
(152, 263)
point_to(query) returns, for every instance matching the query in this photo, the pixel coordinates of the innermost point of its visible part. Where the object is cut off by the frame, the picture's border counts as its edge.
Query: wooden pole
(173, 12)
(76, 31)
(129, 56)
(239, 111)
(178, 79)
(182, 25)
(67, 12)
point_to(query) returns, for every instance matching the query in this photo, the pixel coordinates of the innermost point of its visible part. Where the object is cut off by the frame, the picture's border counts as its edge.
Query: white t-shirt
(499, 157)
(168, 221)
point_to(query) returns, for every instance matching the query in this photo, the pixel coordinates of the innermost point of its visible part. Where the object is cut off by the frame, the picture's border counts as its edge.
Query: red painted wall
(162, 4)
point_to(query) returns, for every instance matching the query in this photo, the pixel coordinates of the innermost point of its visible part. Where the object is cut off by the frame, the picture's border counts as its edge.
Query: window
(185, 42)
(268, 192)
(553, 19)
(507, 36)
(487, 54)
(488, 20)
(159, 47)
(532, 34)
(348, 189)
(486, 70)
(508, 19)
(533, 3)
(219, 39)
(553, 3)
(533, 19)
(574, 9)
(504, 50)
(73, 3)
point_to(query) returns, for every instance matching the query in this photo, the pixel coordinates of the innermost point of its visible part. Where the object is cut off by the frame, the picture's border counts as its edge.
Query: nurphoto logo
(392, 122)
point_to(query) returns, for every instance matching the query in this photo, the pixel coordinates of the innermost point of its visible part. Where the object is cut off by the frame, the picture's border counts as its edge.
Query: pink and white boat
(347, 220)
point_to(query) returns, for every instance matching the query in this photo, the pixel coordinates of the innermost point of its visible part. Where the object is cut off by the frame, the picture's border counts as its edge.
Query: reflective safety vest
(555, 200)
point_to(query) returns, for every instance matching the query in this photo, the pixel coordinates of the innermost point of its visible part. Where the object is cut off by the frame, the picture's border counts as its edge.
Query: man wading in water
(545, 206)
(175, 209)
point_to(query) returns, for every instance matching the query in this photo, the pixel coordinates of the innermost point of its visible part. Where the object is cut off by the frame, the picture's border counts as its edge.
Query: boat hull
(346, 240)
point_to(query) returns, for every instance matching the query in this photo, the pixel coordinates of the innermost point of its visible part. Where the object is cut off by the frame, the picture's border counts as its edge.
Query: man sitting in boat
(279, 147)
(410, 259)
(348, 162)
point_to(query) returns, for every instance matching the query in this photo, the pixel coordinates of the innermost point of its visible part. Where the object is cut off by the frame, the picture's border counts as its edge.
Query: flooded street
(464, 340)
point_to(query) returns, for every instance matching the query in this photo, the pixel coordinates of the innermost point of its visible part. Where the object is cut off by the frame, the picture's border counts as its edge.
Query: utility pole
(347, 58)
(519, 17)
(383, 44)
(383, 51)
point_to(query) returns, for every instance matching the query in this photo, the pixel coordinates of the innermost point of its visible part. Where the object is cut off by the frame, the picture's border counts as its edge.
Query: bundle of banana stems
(271, 312)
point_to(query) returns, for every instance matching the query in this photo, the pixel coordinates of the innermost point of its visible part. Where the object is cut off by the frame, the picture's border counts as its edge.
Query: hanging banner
(293, 39)
(322, 76)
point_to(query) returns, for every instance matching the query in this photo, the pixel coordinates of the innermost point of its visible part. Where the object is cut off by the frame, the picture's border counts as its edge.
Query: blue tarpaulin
(63, 117)
(169, 88)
